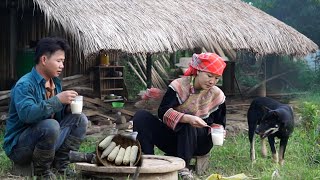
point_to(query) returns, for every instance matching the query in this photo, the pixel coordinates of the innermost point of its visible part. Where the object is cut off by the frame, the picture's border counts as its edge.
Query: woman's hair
(49, 45)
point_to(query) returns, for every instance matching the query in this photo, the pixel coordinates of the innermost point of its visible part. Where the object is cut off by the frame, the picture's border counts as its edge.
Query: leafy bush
(284, 74)
(309, 111)
(300, 76)
(133, 83)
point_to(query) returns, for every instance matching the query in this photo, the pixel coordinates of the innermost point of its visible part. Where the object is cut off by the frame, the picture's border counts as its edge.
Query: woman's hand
(194, 121)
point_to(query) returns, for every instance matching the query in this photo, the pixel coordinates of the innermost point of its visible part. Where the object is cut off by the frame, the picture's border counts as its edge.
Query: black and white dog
(273, 119)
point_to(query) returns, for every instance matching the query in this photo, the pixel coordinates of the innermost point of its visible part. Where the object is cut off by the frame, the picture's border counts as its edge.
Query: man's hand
(66, 97)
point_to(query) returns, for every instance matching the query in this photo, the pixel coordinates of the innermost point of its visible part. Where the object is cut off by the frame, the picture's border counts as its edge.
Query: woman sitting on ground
(190, 105)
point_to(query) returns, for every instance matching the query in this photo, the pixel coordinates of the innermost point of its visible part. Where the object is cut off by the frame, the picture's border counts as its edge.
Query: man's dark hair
(49, 45)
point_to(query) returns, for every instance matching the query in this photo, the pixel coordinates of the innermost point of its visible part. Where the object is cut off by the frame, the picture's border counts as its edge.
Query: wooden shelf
(112, 89)
(102, 78)
(112, 100)
(110, 81)
(110, 67)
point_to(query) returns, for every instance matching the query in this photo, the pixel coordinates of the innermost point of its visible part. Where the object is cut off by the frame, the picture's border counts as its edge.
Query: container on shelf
(108, 83)
(104, 60)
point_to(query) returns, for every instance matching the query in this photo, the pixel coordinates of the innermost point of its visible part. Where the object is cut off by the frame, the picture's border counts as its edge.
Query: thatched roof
(168, 25)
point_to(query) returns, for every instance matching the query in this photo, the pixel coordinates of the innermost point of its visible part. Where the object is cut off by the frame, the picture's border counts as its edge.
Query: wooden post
(13, 40)
(148, 73)
(263, 88)
(173, 59)
(228, 78)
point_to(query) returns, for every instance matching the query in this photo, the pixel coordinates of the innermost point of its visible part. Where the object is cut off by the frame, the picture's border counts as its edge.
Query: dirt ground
(237, 115)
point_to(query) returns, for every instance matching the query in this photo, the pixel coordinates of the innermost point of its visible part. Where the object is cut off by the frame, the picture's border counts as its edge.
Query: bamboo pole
(163, 77)
(155, 82)
(161, 69)
(165, 60)
(135, 71)
(142, 62)
(160, 80)
(139, 67)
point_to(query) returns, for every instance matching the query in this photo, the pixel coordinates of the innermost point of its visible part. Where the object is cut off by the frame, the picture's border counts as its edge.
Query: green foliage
(5, 163)
(300, 77)
(246, 69)
(157, 151)
(249, 81)
(262, 4)
(310, 115)
(132, 81)
(309, 110)
(183, 53)
(296, 75)
(303, 15)
(316, 80)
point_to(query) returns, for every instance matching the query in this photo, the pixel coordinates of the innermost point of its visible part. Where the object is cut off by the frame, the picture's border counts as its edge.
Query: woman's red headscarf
(207, 62)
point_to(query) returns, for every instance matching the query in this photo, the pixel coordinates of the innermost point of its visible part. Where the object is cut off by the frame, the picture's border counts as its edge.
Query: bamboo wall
(32, 26)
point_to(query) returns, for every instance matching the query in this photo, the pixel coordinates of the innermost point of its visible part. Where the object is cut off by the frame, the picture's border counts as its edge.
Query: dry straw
(168, 25)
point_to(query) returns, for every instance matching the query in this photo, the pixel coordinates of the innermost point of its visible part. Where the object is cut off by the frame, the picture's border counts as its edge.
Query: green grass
(88, 145)
(302, 157)
(233, 158)
(5, 163)
(312, 97)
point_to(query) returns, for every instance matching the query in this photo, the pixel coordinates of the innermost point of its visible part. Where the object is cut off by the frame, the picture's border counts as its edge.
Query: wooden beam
(149, 70)
(127, 112)
(106, 116)
(72, 77)
(90, 113)
(4, 92)
(6, 96)
(97, 102)
(76, 81)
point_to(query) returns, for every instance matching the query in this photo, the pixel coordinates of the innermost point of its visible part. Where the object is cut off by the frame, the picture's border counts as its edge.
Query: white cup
(217, 135)
(76, 105)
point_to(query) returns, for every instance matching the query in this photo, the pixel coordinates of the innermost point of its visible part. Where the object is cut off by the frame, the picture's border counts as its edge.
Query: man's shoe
(68, 172)
(48, 176)
(185, 174)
